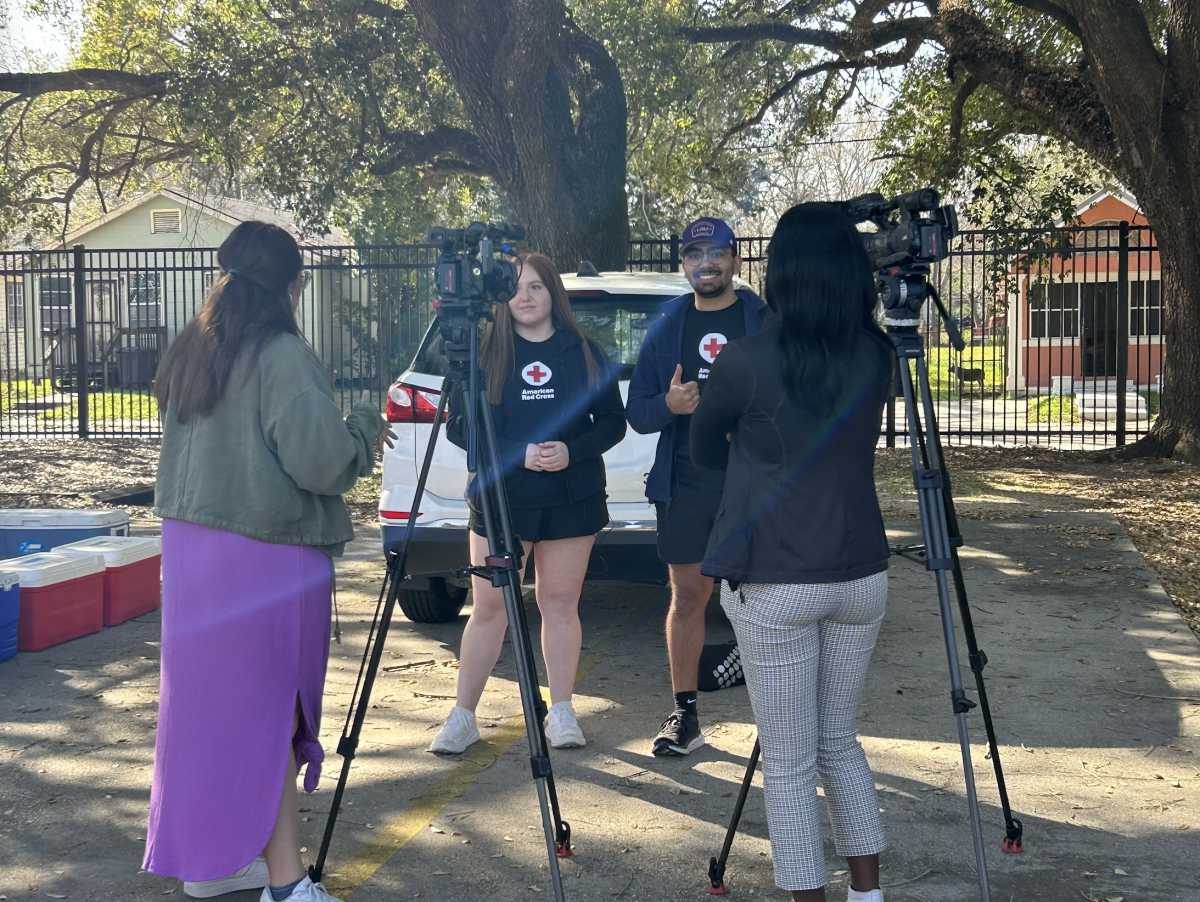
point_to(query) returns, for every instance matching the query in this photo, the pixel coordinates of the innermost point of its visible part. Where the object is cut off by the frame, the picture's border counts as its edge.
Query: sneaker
(252, 876)
(305, 891)
(562, 729)
(457, 734)
(680, 735)
(872, 895)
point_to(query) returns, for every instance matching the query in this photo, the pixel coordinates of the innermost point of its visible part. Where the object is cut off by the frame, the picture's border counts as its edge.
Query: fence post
(81, 348)
(1122, 326)
(674, 253)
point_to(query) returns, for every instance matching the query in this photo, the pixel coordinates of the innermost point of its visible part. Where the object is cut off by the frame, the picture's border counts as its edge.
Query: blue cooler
(32, 531)
(10, 613)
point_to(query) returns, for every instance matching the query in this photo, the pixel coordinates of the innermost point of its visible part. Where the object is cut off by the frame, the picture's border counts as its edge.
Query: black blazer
(597, 425)
(799, 503)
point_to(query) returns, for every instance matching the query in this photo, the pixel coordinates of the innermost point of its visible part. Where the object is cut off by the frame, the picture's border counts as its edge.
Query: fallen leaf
(509, 839)
(436, 829)
(56, 895)
(1121, 872)
(1184, 826)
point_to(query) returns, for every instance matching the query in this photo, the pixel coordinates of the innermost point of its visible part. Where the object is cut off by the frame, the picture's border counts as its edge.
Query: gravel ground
(1157, 501)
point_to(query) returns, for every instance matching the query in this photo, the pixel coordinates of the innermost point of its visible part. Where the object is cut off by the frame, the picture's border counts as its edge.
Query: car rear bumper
(625, 552)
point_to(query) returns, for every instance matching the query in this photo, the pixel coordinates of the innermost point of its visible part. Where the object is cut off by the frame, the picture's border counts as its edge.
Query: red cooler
(132, 584)
(62, 597)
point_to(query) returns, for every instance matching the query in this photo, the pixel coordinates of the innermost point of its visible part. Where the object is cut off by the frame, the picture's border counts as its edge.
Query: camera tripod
(502, 567)
(939, 553)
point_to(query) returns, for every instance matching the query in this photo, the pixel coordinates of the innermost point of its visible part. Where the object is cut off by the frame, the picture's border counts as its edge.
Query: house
(146, 267)
(1065, 335)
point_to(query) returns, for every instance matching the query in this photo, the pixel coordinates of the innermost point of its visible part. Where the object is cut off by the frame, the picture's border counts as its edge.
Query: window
(1054, 310)
(1145, 308)
(143, 300)
(14, 303)
(55, 301)
(165, 221)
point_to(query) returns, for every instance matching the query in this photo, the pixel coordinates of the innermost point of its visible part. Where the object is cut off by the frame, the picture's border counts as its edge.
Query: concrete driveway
(1094, 682)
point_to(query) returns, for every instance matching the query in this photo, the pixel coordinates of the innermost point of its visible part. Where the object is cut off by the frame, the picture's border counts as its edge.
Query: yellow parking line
(360, 867)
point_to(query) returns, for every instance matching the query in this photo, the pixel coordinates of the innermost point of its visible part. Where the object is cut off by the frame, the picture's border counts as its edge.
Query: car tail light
(409, 404)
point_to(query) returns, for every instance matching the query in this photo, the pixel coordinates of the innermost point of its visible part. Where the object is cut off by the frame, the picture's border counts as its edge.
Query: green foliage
(943, 381)
(1052, 409)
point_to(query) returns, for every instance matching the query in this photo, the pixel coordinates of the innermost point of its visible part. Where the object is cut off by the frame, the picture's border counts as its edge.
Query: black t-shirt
(535, 411)
(705, 332)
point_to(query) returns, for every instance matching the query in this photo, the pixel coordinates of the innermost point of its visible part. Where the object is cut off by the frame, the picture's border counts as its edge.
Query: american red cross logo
(711, 344)
(537, 373)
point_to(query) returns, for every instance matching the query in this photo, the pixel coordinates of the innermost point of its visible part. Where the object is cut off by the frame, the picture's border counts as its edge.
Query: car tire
(440, 603)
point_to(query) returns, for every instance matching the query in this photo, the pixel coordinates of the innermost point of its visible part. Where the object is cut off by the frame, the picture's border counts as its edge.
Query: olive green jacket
(272, 459)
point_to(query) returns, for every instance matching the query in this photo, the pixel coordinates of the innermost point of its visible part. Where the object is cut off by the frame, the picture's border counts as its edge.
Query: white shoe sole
(674, 750)
(208, 889)
(567, 743)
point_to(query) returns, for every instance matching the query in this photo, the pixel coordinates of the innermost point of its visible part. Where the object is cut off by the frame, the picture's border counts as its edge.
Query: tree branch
(409, 148)
(1054, 11)
(133, 84)
(853, 44)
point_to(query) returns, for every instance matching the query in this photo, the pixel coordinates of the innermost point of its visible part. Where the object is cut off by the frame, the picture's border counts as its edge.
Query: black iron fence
(1064, 330)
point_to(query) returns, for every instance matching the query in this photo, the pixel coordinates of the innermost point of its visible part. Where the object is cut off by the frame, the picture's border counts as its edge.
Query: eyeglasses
(715, 254)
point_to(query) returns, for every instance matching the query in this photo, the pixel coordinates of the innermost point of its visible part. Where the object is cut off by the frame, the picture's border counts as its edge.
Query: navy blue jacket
(662, 350)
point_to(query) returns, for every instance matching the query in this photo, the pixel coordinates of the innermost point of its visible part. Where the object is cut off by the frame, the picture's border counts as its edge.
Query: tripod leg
(716, 866)
(494, 507)
(376, 637)
(927, 472)
(1013, 828)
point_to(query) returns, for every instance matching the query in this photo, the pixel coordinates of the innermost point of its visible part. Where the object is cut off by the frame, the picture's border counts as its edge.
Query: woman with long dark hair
(799, 538)
(255, 458)
(556, 409)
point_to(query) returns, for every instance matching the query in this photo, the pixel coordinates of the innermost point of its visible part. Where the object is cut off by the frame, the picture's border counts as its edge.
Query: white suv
(616, 308)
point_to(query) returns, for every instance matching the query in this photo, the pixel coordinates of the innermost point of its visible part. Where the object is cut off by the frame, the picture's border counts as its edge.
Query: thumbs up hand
(682, 397)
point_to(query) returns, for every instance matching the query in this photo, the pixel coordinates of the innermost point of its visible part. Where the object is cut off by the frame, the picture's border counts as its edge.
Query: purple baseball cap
(708, 228)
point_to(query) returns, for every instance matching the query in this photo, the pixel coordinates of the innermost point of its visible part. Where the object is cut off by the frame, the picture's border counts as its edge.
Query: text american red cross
(713, 347)
(537, 374)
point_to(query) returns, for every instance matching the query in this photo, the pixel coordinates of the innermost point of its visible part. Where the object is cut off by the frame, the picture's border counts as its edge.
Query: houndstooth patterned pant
(805, 651)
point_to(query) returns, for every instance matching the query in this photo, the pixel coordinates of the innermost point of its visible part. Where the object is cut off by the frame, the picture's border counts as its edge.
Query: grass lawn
(110, 406)
(23, 390)
(944, 384)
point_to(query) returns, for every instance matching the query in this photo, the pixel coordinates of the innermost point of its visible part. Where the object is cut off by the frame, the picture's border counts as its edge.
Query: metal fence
(1064, 330)
(363, 309)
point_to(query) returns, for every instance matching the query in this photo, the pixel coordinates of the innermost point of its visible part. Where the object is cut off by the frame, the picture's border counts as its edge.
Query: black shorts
(685, 524)
(544, 524)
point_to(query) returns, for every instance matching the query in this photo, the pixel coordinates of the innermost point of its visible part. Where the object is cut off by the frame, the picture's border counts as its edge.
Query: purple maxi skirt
(245, 634)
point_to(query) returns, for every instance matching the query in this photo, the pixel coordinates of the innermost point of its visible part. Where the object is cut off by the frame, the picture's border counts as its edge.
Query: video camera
(913, 231)
(475, 266)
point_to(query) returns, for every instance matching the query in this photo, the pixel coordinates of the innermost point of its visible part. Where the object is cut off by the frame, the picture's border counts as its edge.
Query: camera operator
(556, 409)
(255, 458)
(671, 371)
(799, 538)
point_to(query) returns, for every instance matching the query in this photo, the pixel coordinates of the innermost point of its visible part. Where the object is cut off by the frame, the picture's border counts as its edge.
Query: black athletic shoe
(680, 735)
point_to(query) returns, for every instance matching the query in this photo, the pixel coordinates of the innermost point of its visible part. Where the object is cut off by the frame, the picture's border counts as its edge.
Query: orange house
(1067, 335)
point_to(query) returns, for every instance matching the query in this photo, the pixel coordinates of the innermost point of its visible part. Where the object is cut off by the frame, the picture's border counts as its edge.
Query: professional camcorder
(913, 231)
(475, 265)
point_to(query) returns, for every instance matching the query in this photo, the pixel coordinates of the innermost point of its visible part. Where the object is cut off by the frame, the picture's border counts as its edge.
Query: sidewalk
(1089, 666)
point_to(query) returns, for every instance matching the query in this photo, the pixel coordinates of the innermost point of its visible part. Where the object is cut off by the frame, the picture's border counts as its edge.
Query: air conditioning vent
(164, 221)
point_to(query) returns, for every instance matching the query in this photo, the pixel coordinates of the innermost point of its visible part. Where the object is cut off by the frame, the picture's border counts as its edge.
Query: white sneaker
(874, 895)
(252, 876)
(457, 734)
(562, 729)
(305, 891)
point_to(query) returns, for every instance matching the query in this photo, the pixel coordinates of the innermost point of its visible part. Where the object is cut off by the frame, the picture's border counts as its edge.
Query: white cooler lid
(8, 580)
(117, 551)
(62, 519)
(48, 568)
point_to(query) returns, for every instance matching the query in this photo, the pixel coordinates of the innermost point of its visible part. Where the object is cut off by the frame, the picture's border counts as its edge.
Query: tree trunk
(1176, 433)
(548, 106)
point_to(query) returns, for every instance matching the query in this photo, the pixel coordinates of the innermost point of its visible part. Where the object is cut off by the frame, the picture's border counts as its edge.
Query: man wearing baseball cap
(671, 370)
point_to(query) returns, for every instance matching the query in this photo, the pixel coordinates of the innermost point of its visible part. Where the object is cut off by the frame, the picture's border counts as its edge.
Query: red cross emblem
(537, 373)
(711, 344)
